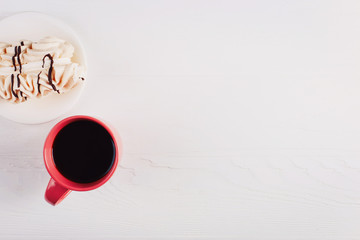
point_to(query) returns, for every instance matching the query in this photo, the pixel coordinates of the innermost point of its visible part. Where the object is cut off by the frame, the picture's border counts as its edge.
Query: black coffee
(83, 151)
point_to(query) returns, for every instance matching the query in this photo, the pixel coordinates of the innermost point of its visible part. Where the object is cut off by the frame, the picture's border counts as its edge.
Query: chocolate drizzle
(50, 71)
(38, 82)
(22, 43)
(12, 86)
(18, 57)
(18, 84)
(17, 50)
(18, 80)
(13, 58)
(83, 79)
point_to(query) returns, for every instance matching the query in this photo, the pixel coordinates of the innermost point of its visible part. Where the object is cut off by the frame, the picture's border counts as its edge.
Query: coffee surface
(83, 151)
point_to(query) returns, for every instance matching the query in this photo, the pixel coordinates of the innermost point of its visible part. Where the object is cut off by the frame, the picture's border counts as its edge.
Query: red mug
(59, 186)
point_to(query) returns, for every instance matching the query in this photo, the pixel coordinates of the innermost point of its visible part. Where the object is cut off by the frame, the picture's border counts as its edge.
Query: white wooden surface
(240, 120)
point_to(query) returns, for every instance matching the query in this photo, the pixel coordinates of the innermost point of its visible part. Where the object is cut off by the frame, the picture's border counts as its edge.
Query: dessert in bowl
(39, 98)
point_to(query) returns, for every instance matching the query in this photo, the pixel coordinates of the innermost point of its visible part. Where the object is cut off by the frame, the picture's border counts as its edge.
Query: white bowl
(34, 26)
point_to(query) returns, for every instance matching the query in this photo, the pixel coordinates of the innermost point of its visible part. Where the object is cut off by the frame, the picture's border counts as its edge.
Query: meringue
(36, 69)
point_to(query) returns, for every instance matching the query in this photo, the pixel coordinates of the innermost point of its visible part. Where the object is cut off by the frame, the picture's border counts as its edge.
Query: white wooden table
(240, 120)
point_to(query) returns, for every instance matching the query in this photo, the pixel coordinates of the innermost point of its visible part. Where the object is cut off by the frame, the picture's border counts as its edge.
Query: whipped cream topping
(36, 69)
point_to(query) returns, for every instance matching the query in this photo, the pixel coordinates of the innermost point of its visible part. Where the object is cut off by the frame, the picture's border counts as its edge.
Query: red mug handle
(55, 192)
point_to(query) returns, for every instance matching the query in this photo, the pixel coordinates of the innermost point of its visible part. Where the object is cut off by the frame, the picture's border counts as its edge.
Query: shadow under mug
(59, 186)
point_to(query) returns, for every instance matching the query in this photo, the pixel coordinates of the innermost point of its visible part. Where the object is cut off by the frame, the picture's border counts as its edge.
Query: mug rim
(49, 160)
